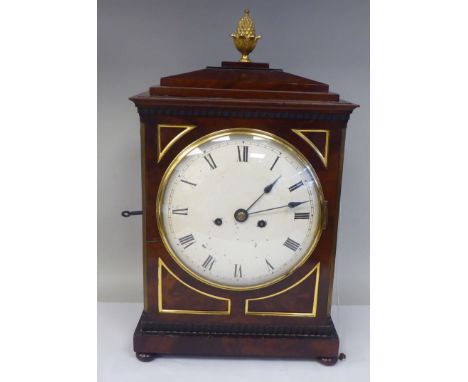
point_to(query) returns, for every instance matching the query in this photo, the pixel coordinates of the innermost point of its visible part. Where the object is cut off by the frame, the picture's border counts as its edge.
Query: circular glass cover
(240, 209)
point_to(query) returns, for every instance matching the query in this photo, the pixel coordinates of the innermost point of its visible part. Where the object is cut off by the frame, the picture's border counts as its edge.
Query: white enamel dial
(240, 209)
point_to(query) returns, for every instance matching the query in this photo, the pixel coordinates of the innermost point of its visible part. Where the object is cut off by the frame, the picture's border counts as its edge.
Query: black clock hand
(290, 205)
(266, 190)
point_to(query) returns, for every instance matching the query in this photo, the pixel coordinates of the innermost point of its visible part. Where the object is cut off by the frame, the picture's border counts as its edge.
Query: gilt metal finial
(245, 38)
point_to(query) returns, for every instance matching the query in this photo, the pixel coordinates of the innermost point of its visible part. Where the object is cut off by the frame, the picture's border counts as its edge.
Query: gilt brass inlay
(323, 156)
(313, 313)
(161, 308)
(163, 150)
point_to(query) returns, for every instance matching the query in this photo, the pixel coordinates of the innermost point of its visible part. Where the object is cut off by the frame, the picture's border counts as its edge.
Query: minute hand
(290, 205)
(266, 190)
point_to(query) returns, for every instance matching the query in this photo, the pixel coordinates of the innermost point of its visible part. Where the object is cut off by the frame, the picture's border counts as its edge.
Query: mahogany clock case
(180, 315)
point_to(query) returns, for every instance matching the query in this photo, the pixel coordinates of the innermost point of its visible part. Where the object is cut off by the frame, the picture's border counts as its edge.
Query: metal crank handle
(127, 214)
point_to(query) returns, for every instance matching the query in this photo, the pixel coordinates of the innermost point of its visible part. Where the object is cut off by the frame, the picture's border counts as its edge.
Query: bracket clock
(241, 178)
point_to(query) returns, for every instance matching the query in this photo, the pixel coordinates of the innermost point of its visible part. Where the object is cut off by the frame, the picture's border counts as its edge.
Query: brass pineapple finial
(245, 38)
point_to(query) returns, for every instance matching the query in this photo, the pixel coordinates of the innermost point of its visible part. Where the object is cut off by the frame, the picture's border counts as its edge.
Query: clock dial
(240, 209)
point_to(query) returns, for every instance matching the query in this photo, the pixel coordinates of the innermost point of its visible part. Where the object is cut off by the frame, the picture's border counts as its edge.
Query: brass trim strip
(323, 157)
(289, 314)
(162, 152)
(324, 215)
(161, 265)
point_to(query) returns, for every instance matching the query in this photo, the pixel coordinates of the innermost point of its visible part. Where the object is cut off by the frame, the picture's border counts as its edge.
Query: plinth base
(151, 343)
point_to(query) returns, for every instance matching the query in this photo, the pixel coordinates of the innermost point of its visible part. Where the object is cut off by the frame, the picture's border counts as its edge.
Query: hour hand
(268, 188)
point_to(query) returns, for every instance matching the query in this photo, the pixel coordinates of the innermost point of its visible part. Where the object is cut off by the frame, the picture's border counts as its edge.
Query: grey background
(140, 41)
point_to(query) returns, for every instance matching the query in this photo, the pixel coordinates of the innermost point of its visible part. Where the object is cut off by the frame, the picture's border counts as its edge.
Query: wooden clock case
(183, 315)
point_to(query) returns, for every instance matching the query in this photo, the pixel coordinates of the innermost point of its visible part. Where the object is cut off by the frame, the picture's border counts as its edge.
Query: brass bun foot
(145, 357)
(330, 361)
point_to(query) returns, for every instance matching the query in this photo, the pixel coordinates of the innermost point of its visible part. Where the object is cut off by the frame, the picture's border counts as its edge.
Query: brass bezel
(237, 131)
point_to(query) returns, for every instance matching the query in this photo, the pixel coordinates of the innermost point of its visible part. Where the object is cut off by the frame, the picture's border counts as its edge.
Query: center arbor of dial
(241, 215)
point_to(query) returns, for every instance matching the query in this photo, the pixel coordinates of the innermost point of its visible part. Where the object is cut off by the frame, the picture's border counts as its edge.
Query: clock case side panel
(335, 221)
(153, 244)
(143, 202)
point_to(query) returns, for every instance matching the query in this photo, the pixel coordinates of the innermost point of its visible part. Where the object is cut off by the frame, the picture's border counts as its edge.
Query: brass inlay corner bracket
(313, 313)
(161, 308)
(323, 156)
(162, 150)
(245, 38)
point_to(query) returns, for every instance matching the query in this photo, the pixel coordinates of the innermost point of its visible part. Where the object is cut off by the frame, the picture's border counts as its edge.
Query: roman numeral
(210, 161)
(189, 240)
(270, 267)
(237, 270)
(274, 163)
(301, 215)
(291, 244)
(208, 264)
(186, 181)
(295, 186)
(245, 153)
(180, 211)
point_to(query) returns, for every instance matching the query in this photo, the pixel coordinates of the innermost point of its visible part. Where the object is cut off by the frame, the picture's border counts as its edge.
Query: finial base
(244, 65)
(245, 58)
